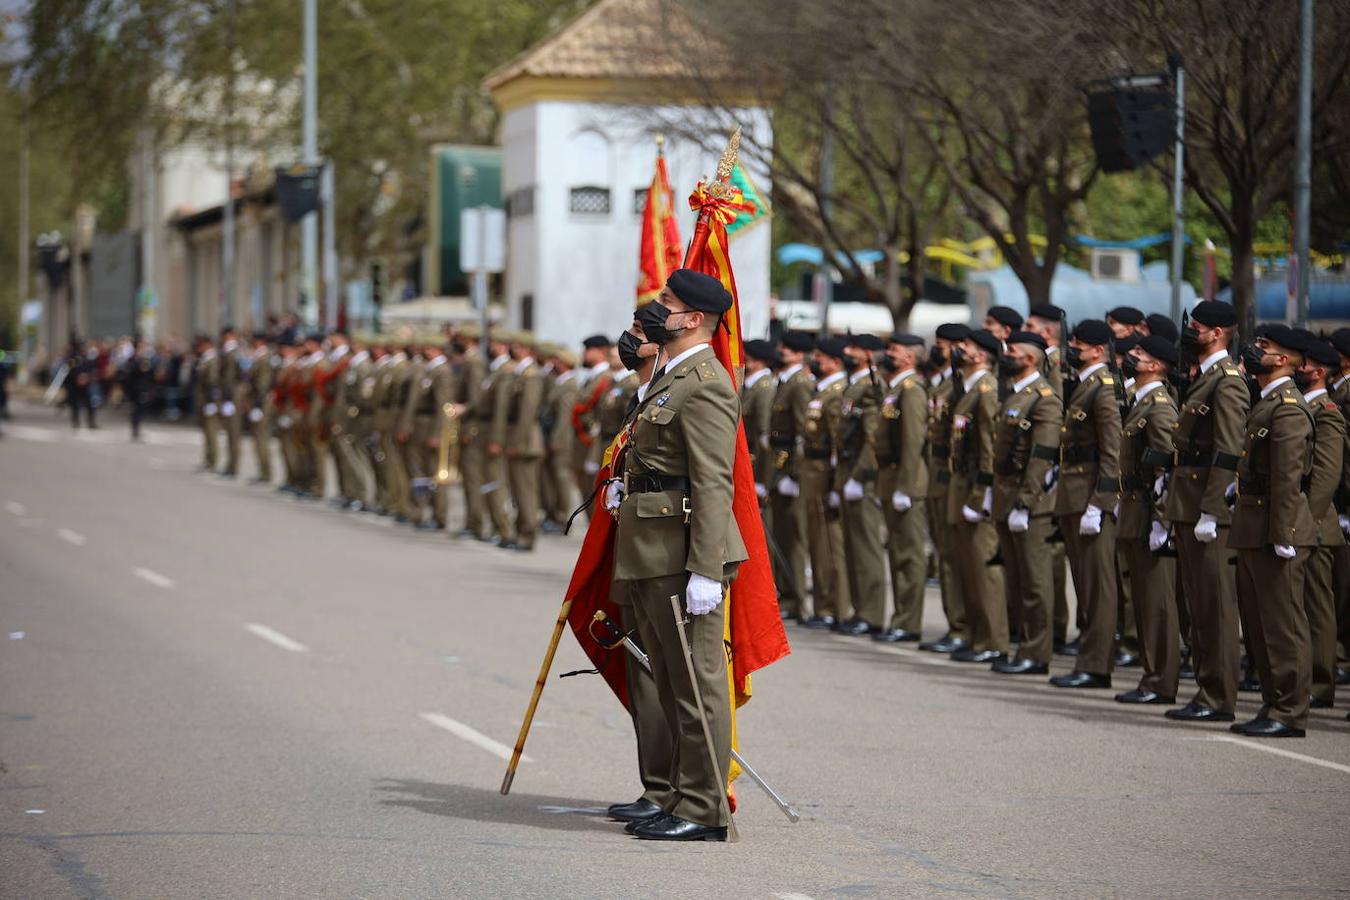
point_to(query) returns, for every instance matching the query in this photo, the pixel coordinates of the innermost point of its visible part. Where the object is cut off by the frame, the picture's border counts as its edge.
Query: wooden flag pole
(534, 698)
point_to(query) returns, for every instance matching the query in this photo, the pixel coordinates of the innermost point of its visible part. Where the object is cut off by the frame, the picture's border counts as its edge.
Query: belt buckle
(688, 511)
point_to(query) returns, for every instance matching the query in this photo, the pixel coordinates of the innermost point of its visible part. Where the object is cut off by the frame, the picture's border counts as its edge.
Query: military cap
(1340, 339)
(1286, 337)
(1321, 352)
(1126, 315)
(1215, 314)
(1126, 344)
(259, 336)
(1159, 347)
(699, 291)
(1162, 326)
(985, 340)
(833, 346)
(1005, 315)
(801, 341)
(953, 331)
(866, 342)
(525, 338)
(1093, 331)
(1047, 311)
(904, 339)
(597, 342)
(566, 356)
(1028, 337)
(764, 351)
(469, 330)
(547, 349)
(315, 336)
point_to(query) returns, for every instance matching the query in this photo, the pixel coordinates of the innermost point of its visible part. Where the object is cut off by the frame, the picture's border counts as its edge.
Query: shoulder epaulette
(706, 370)
(1107, 379)
(1231, 370)
(1046, 392)
(1330, 406)
(984, 388)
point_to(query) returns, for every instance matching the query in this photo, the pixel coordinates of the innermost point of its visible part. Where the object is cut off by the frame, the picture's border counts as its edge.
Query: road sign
(482, 240)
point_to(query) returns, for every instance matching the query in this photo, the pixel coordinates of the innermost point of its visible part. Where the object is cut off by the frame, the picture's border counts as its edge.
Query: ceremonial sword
(617, 638)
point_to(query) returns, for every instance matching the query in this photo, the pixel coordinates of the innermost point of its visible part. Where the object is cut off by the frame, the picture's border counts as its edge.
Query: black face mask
(1190, 337)
(1074, 357)
(888, 365)
(652, 318)
(1302, 380)
(958, 358)
(1253, 360)
(628, 345)
(817, 371)
(1009, 366)
(1129, 368)
(458, 347)
(937, 360)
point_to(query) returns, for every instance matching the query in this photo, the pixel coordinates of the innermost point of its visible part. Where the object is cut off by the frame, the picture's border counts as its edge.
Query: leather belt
(782, 442)
(656, 483)
(1197, 460)
(1072, 455)
(810, 453)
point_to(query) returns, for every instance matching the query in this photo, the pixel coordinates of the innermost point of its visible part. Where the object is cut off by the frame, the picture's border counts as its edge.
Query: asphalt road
(209, 690)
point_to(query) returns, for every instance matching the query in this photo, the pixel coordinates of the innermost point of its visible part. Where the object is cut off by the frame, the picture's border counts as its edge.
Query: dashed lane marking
(272, 636)
(150, 575)
(472, 735)
(14, 507)
(71, 537)
(1251, 744)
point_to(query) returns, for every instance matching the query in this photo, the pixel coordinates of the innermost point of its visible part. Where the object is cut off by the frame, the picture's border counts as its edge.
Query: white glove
(1206, 529)
(1344, 523)
(971, 515)
(1115, 511)
(988, 504)
(853, 490)
(255, 415)
(1157, 536)
(613, 495)
(209, 409)
(1160, 485)
(1019, 520)
(591, 467)
(227, 408)
(1091, 522)
(788, 488)
(834, 499)
(900, 500)
(284, 421)
(702, 595)
(761, 491)
(1284, 551)
(1230, 493)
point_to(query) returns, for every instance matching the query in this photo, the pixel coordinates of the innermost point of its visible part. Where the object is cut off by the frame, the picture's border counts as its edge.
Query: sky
(13, 46)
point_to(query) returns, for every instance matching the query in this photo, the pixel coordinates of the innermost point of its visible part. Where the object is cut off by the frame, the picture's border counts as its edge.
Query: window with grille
(639, 201)
(590, 201)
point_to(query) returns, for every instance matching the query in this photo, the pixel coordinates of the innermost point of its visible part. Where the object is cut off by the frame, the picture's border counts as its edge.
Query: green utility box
(461, 177)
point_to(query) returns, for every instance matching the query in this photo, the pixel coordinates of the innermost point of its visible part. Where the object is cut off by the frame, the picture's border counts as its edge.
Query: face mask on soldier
(1129, 366)
(653, 318)
(817, 371)
(1302, 380)
(629, 345)
(1254, 360)
(1008, 366)
(958, 358)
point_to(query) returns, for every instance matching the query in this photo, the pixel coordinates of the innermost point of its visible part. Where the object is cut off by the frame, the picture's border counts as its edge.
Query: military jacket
(756, 411)
(1208, 444)
(1026, 444)
(972, 452)
(900, 436)
(821, 423)
(859, 418)
(938, 442)
(1145, 455)
(787, 420)
(562, 399)
(1272, 500)
(1329, 442)
(1089, 451)
(684, 429)
(524, 436)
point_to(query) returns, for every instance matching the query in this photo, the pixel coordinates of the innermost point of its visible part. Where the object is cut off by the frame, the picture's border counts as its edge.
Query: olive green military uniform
(419, 484)
(676, 519)
(594, 386)
(525, 447)
(424, 418)
(938, 442)
(974, 543)
(259, 409)
(1059, 564)
(1146, 456)
(1271, 510)
(824, 527)
(559, 466)
(208, 394)
(1208, 445)
(610, 411)
(231, 416)
(757, 415)
(863, 522)
(353, 426)
(393, 387)
(901, 470)
(1339, 392)
(288, 419)
(792, 394)
(1319, 599)
(1089, 475)
(492, 412)
(473, 383)
(1026, 442)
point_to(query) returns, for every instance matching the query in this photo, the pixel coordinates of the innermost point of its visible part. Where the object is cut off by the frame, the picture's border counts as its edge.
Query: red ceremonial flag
(659, 253)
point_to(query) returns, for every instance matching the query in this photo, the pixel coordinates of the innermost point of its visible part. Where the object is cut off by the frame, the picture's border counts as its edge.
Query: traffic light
(1130, 125)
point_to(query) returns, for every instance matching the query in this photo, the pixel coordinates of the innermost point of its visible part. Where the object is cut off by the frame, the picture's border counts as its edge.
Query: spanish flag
(659, 253)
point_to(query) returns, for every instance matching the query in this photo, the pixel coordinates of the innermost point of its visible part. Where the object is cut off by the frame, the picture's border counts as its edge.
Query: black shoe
(1069, 649)
(1267, 728)
(1187, 671)
(857, 628)
(819, 622)
(1020, 667)
(970, 655)
(521, 547)
(424, 526)
(632, 827)
(1081, 680)
(894, 635)
(1342, 676)
(1250, 684)
(1319, 703)
(945, 644)
(640, 810)
(1198, 712)
(1126, 660)
(466, 533)
(673, 828)
(1139, 695)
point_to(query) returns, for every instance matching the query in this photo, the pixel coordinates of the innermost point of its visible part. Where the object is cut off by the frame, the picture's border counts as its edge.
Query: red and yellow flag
(659, 253)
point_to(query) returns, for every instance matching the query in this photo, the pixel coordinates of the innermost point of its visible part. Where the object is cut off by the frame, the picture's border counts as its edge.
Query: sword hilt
(613, 635)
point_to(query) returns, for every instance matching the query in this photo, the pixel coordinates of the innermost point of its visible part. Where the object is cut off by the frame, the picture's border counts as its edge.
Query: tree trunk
(892, 289)
(1244, 280)
(1037, 283)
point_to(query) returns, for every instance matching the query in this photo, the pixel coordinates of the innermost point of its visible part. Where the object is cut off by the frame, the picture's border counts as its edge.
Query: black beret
(1126, 315)
(801, 341)
(953, 331)
(833, 346)
(866, 342)
(760, 350)
(1093, 331)
(1126, 344)
(1214, 314)
(1048, 311)
(1162, 326)
(1160, 348)
(259, 335)
(1340, 339)
(1286, 337)
(597, 342)
(905, 339)
(1028, 337)
(315, 336)
(699, 291)
(1322, 353)
(986, 341)
(1005, 315)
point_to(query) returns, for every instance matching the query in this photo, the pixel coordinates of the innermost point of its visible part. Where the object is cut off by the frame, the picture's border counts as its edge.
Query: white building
(579, 127)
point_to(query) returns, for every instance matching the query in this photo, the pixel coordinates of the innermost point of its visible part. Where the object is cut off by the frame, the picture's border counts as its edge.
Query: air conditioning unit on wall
(1112, 264)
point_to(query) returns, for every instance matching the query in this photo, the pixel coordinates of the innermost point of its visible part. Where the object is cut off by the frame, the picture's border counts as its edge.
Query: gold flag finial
(720, 187)
(660, 142)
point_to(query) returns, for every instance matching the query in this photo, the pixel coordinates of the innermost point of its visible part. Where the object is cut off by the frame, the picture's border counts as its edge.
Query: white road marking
(789, 895)
(158, 580)
(34, 812)
(272, 636)
(1252, 744)
(14, 507)
(557, 810)
(16, 635)
(477, 738)
(71, 537)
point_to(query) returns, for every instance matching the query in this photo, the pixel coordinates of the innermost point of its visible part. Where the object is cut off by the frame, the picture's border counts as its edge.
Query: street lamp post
(309, 226)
